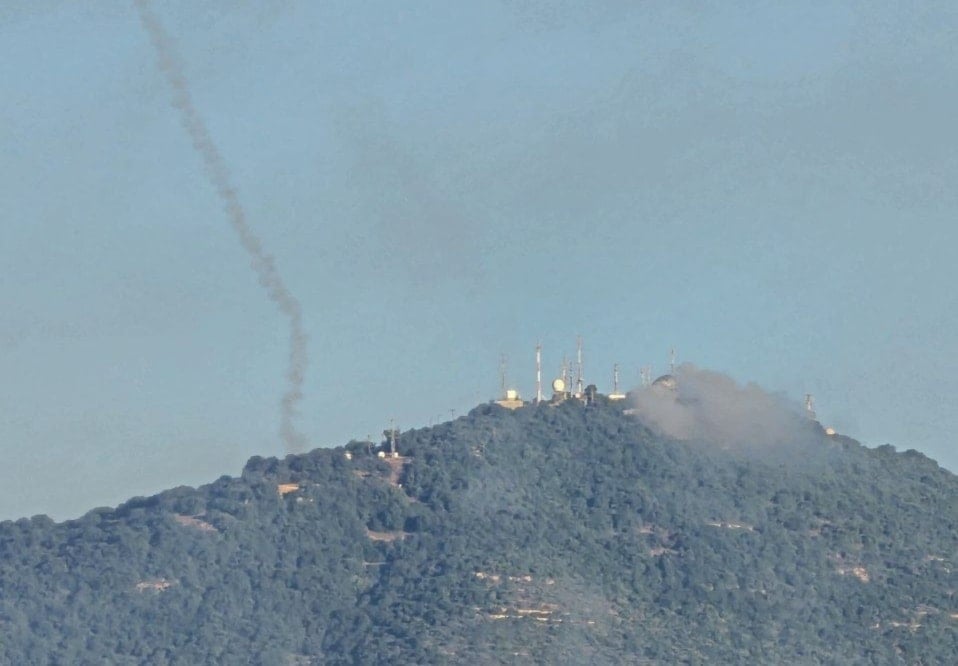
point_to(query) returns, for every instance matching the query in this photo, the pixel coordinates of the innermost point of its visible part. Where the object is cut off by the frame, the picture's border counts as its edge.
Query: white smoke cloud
(707, 406)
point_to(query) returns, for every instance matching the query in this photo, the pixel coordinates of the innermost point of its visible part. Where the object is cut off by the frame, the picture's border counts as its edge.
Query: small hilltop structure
(509, 397)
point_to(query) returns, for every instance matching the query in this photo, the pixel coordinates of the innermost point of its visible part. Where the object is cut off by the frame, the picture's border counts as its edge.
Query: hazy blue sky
(770, 189)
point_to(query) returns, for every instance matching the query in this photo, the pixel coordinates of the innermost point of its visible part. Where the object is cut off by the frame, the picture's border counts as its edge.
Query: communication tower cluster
(570, 382)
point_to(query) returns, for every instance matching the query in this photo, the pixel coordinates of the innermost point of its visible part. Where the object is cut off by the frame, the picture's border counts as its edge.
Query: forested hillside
(552, 534)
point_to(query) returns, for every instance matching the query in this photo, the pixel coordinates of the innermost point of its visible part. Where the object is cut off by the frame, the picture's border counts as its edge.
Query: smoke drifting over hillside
(710, 407)
(260, 261)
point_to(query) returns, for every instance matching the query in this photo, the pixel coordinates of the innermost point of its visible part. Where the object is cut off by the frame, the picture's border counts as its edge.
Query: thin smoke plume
(710, 407)
(262, 263)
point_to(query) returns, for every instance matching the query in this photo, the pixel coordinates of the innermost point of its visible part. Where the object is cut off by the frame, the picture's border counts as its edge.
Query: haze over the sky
(771, 190)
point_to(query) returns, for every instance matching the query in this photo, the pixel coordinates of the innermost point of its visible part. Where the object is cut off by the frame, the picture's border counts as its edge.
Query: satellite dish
(558, 386)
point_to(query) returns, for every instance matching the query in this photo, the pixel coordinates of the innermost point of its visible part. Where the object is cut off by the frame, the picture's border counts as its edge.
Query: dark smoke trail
(261, 262)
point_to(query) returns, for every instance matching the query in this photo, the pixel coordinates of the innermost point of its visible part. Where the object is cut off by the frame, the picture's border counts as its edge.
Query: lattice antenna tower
(810, 406)
(672, 361)
(615, 378)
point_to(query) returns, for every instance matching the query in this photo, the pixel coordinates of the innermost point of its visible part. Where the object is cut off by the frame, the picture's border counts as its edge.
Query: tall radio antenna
(578, 355)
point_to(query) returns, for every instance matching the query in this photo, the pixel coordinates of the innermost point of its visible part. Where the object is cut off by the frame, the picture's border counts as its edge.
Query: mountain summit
(564, 533)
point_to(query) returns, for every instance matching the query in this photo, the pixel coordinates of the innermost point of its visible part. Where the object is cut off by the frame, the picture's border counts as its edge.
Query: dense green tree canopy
(564, 534)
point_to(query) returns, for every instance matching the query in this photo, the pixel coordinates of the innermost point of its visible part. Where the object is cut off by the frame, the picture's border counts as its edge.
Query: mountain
(565, 534)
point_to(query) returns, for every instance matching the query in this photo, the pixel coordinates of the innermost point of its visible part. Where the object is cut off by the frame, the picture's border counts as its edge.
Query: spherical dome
(666, 382)
(558, 386)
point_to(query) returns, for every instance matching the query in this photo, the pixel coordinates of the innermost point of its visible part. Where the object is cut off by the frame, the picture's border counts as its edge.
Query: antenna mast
(615, 395)
(672, 361)
(810, 406)
(538, 372)
(578, 354)
(646, 374)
